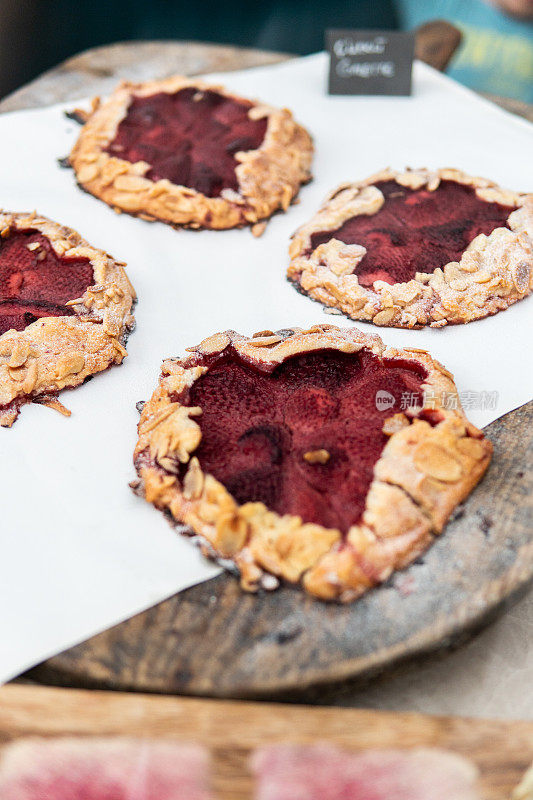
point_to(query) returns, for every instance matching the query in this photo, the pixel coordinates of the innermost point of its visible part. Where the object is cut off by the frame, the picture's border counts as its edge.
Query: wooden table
(231, 731)
(97, 71)
(488, 676)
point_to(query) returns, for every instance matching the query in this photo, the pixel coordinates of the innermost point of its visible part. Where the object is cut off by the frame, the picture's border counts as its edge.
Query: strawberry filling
(190, 137)
(416, 230)
(303, 438)
(35, 282)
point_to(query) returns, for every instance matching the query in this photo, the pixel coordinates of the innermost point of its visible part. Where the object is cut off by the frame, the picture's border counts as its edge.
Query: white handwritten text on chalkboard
(370, 62)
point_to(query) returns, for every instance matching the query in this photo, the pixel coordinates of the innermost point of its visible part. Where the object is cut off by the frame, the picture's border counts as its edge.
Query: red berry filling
(416, 230)
(262, 431)
(35, 282)
(189, 137)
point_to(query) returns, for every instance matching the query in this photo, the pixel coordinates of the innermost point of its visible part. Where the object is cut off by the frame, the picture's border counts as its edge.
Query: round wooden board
(215, 640)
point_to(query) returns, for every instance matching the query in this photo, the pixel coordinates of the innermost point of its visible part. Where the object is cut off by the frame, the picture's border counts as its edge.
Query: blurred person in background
(496, 54)
(38, 34)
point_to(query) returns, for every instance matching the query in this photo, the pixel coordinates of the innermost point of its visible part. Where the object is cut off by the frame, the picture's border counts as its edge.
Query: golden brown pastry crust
(269, 178)
(54, 353)
(494, 272)
(423, 472)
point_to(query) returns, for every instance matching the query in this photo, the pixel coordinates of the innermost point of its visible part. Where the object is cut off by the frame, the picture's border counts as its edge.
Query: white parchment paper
(79, 552)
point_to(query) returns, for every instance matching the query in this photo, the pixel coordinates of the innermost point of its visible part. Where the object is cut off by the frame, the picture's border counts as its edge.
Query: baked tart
(103, 768)
(326, 772)
(191, 154)
(415, 248)
(65, 311)
(319, 457)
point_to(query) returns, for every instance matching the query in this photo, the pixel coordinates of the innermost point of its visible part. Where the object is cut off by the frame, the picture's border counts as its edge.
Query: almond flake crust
(269, 178)
(55, 353)
(423, 472)
(494, 272)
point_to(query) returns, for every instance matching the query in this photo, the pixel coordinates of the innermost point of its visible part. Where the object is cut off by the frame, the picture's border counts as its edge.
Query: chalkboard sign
(370, 62)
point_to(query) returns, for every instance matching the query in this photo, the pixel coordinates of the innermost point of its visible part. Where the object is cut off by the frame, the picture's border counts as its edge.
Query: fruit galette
(192, 154)
(325, 772)
(107, 768)
(65, 311)
(415, 248)
(320, 456)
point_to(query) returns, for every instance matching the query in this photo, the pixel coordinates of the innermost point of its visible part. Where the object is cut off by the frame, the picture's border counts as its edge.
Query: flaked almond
(128, 202)
(259, 334)
(51, 401)
(233, 197)
(69, 365)
(317, 456)
(258, 229)
(521, 277)
(111, 325)
(114, 294)
(214, 344)
(19, 355)
(497, 195)
(395, 423)
(442, 369)
(17, 373)
(131, 183)
(433, 460)
(265, 341)
(231, 534)
(87, 173)
(258, 112)
(160, 417)
(357, 303)
(458, 285)
(30, 378)
(407, 292)
(384, 317)
(472, 447)
(121, 350)
(76, 363)
(193, 483)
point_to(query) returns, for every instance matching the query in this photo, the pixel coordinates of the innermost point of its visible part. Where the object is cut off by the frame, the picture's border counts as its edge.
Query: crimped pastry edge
(269, 178)
(54, 353)
(422, 474)
(494, 272)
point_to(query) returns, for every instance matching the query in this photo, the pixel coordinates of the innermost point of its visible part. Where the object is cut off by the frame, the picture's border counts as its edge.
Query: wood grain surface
(230, 730)
(97, 71)
(215, 640)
